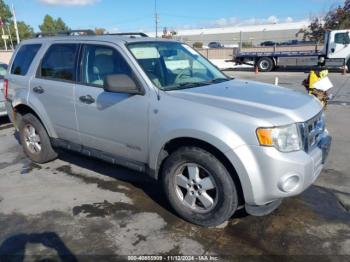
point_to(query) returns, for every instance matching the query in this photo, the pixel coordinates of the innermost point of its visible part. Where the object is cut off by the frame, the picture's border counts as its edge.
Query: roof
(103, 38)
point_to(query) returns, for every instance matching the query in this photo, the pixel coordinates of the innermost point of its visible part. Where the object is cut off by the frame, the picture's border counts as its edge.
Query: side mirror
(121, 83)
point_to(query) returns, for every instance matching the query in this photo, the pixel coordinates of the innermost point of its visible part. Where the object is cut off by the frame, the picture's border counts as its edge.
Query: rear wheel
(35, 140)
(265, 64)
(199, 187)
(348, 65)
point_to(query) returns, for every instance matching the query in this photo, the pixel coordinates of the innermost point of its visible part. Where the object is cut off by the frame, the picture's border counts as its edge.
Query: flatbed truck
(334, 53)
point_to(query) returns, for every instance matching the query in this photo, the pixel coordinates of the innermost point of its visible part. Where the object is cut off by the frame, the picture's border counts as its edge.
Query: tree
(100, 31)
(198, 45)
(52, 26)
(315, 31)
(25, 31)
(335, 19)
(5, 12)
(347, 6)
(338, 18)
(48, 26)
(60, 26)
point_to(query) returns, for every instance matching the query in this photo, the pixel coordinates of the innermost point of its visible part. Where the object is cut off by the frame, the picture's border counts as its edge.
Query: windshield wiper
(196, 84)
(186, 85)
(217, 80)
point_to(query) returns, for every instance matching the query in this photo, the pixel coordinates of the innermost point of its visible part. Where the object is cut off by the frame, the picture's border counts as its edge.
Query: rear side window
(24, 59)
(59, 62)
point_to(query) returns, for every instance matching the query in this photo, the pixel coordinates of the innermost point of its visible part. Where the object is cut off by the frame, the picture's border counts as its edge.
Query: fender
(225, 141)
(39, 110)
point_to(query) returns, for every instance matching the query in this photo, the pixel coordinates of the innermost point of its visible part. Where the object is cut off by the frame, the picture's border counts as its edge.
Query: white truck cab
(337, 44)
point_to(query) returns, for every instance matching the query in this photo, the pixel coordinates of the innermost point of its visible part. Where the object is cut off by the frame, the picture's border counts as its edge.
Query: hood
(275, 104)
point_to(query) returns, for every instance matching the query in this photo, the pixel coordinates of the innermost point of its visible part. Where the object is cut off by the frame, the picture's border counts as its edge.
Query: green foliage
(100, 31)
(25, 31)
(198, 45)
(60, 25)
(5, 12)
(48, 25)
(53, 26)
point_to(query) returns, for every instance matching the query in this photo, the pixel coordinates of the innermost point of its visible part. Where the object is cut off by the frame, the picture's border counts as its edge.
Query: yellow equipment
(313, 78)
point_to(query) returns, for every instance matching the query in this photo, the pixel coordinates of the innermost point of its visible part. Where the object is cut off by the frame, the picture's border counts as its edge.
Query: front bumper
(268, 175)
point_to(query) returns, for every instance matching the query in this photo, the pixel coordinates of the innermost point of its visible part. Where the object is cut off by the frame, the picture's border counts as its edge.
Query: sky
(138, 15)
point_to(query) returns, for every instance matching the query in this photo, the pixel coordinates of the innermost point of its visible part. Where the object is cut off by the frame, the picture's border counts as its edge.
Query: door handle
(38, 90)
(87, 99)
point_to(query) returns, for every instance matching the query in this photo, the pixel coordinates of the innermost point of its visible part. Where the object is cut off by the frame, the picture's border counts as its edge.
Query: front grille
(312, 130)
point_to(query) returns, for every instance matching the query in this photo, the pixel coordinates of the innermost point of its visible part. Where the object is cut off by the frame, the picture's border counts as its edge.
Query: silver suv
(216, 144)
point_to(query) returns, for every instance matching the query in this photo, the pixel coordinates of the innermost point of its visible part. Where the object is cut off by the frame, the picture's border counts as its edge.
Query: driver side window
(342, 38)
(98, 62)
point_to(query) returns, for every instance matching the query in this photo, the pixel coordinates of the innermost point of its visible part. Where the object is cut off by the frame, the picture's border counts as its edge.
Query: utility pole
(156, 17)
(240, 40)
(9, 32)
(15, 23)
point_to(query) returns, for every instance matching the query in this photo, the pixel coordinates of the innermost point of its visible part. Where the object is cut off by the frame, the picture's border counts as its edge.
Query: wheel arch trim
(43, 117)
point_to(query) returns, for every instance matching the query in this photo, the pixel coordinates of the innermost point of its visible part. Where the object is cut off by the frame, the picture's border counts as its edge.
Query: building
(248, 35)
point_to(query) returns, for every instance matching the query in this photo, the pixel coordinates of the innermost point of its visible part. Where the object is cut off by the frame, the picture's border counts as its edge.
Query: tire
(177, 170)
(265, 64)
(35, 140)
(348, 65)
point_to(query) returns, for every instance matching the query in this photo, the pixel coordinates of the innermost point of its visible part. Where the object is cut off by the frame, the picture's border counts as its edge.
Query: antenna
(156, 17)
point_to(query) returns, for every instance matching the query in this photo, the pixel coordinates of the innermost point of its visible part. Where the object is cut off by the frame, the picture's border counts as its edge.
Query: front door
(115, 123)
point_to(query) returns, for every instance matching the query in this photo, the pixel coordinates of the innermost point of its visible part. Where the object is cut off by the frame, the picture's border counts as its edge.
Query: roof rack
(86, 32)
(131, 34)
(66, 33)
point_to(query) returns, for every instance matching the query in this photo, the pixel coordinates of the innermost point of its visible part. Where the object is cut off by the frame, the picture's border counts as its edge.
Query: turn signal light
(265, 136)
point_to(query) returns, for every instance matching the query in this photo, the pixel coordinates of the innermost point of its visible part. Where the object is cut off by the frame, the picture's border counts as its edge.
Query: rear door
(53, 89)
(115, 123)
(22, 67)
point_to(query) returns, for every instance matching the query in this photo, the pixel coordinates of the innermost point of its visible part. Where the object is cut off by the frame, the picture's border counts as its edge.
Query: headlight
(284, 138)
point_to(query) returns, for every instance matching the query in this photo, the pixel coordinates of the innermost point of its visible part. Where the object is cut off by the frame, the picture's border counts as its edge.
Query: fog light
(289, 183)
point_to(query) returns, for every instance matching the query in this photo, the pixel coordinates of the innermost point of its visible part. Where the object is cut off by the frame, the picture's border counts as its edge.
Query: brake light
(6, 88)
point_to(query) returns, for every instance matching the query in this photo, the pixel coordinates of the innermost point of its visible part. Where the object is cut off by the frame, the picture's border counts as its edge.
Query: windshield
(172, 65)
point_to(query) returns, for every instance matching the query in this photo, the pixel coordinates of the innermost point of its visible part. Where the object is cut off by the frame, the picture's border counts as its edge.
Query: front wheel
(199, 187)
